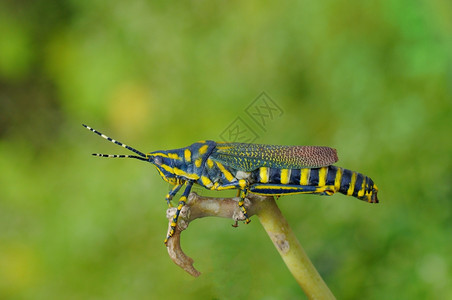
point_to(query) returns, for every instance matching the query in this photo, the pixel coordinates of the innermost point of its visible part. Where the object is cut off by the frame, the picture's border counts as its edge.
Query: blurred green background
(372, 79)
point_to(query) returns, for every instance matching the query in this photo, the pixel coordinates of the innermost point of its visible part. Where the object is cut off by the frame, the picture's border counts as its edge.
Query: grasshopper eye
(158, 160)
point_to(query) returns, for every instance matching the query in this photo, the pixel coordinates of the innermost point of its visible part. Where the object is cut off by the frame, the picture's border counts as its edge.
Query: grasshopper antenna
(141, 156)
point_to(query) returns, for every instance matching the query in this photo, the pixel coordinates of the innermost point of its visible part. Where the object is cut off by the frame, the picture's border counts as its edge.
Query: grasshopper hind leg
(243, 192)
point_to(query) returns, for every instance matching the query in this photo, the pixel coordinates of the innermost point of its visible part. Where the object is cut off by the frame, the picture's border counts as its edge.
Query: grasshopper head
(164, 166)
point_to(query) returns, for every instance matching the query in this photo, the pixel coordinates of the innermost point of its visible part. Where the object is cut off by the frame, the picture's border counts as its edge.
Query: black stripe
(331, 177)
(275, 191)
(274, 175)
(358, 184)
(314, 177)
(295, 176)
(345, 181)
(255, 176)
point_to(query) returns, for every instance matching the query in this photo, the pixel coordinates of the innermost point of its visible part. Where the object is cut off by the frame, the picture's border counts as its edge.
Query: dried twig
(274, 223)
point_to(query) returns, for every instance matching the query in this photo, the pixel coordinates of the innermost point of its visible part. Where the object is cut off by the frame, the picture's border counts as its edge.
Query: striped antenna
(141, 156)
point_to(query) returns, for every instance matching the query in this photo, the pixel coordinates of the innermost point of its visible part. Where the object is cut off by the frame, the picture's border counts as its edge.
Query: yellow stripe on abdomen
(304, 176)
(351, 188)
(285, 176)
(363, 186)
(323, 173)
(263, 174)
(337, 180)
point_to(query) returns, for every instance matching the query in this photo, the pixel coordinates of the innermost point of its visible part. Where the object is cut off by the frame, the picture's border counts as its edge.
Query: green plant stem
(291, 251)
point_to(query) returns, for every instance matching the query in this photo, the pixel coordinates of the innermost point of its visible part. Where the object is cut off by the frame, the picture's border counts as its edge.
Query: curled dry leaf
(200, 207)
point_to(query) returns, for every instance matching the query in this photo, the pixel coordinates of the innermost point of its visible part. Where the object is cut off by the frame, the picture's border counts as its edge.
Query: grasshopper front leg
(172, 193)
(182, 202)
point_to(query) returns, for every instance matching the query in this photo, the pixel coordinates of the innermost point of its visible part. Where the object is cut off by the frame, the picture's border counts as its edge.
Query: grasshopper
(269, 170)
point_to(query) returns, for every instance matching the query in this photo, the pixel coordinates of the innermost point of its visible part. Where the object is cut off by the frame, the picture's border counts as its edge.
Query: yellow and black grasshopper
(256, 168)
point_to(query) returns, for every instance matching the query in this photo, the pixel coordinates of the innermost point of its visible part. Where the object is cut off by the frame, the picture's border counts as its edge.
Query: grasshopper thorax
(182, 164)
